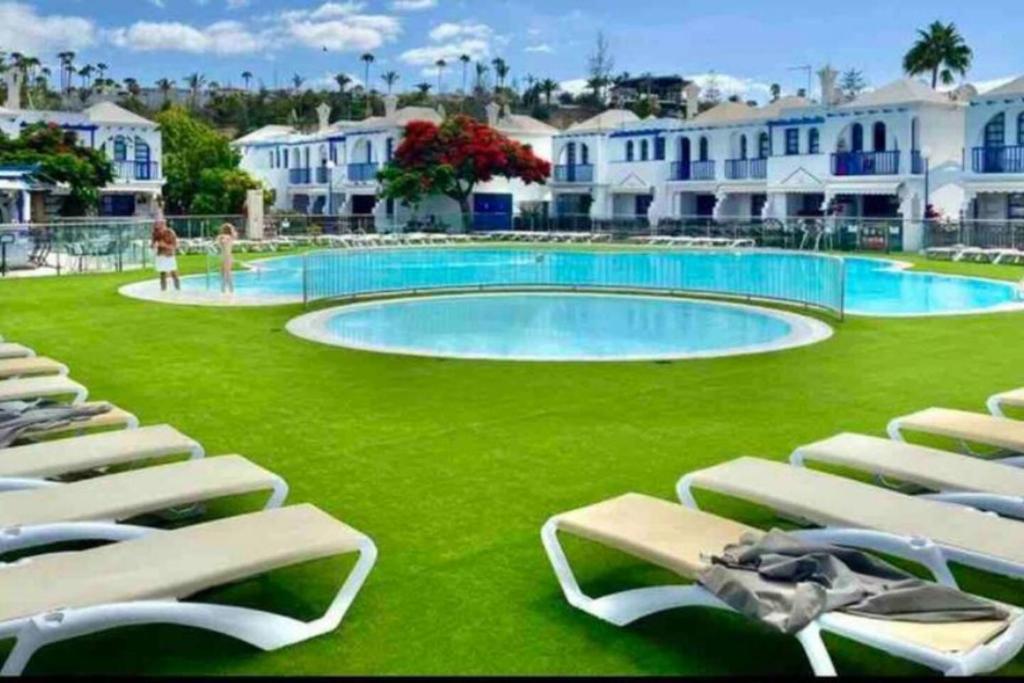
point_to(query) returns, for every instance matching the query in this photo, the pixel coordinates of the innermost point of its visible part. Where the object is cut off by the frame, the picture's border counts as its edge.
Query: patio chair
(34, 465)
(30, 366)
(9, 350)
(1008, 399)
(36, 388)
(852, 513)
(967, 428)
(942, 475)
(681, 541)
(146, 580)
(113, 419)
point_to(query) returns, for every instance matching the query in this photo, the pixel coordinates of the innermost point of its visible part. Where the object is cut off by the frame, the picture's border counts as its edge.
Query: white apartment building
(993, 178)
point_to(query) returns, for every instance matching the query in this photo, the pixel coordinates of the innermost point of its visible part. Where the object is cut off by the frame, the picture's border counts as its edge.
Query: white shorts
(166, 264)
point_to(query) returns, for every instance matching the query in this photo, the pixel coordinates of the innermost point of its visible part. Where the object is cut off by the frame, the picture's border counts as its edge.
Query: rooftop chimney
(493, 114)
(12, 79)
(692, 92)
(829, 96)
(323, 116)
(390, 105)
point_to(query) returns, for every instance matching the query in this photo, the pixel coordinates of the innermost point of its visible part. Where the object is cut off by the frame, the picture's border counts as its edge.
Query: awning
(868, 187)
(13, 185)
(989, 186)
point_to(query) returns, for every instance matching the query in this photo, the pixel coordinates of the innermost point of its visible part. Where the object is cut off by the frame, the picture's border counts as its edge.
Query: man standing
(165, 242)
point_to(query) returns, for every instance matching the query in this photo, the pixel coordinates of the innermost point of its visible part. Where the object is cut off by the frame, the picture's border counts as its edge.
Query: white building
(333, 172)
(131, 142)
(993, 179)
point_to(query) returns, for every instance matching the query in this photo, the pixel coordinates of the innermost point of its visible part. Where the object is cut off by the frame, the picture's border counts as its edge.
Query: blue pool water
(558, 327)
(872, 286)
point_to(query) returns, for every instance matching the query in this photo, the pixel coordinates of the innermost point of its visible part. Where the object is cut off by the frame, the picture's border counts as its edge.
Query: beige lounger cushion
(26, 367)
(826, 500)
(972, 427)
(174, 564)
(931, 468)
(113, 418)
(118, 497)
(14, 351)
(680, 539)
(66, 456)
(1013, 398)
(38, 387)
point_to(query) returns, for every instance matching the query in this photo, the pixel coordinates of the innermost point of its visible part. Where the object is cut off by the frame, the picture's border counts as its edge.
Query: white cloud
(728, 85)
(543, 48)
(574, 86)
(413, 5)
(463, 29)
(358, 32)
(428, 55)
(223, 37)
(23, 29)
(231, 4)
(333, 10)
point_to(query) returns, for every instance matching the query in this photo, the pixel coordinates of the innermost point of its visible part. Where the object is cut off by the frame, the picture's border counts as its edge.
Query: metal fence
(76, 246)
(986, 234)
(814, 280)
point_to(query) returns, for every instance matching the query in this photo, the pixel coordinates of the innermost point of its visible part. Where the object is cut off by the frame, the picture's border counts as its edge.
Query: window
(684, 150)
(703, 149)
(645, 150)
(878, 137)
(995, 131)
(1020, 129)
(120, 149)
(813, 141)
(743, 147)
(857, 138)
(286, 155)
(584, 155)
(141, 150)
(271, 159)
(792, 141)
(629, 151)
(390, 148)
(659, 148)
(764, 146)
(306, 156)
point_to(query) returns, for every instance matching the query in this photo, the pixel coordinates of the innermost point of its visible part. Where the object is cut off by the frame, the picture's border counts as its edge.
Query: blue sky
(748, 43)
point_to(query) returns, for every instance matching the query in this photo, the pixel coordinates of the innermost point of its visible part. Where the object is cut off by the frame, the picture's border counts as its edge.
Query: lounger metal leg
(21, 484)
(817, 653)
(27, 537)
(264, 630)
(995, 407)
(895, 430)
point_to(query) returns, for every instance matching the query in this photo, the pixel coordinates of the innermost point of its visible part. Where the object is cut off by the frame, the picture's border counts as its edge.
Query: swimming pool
(873, 287)
(559, 327)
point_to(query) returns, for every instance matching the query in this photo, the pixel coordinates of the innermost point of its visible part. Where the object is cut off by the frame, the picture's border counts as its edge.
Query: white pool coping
(804, 331)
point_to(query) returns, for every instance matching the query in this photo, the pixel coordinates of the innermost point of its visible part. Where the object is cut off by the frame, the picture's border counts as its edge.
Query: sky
(748, 44)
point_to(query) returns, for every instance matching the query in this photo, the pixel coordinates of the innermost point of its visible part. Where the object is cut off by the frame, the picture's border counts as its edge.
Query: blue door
(117, 205)
(492, 212)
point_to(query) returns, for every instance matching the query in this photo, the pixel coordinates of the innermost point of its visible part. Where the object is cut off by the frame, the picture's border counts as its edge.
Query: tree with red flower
(452, 159)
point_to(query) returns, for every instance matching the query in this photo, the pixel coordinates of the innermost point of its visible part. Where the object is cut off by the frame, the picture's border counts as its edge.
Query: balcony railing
(137, 170)
(741, 169)
(866, 163)
(695, 170)
(998, 159)
(580, 173)
(361, 173)
(299, 176)
(323, 175)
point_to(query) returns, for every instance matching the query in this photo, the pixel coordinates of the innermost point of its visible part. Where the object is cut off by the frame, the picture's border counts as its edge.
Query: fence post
(305, 279)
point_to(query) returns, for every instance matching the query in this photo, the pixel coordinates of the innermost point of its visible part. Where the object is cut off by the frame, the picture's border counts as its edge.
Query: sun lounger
(35, 388)
(8, 350)
(966, 428)
(94, 509)
(144, 581)
(113, 419)
(15, 368)
(1007, 399)
(32, 465)
(950, 477)
(680, 540)
(852, 513)
(944, 253)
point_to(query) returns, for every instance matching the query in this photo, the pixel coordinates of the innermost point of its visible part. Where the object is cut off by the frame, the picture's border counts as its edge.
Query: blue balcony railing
(694, 170)
(361, 173)
(299, 176)
(998, 159)
(580, 173)
(741, 169)
(866, 163)
(323, 175)
(137, 170)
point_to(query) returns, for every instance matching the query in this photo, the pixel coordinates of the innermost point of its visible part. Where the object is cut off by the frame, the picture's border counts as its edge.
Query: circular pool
(559, 327)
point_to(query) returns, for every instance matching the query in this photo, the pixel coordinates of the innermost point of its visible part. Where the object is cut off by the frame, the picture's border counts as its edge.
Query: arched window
(142, 153)
(629, 150)
(271, 159)
(813, 141)
(277, 153)
(764, 146)
(684, 150)
(570, 154)
(389, 150)
(120, 149)
(743, 147)
(857, 138)
(915, 134)
(1020, 129)
(878, 137)
(584, 155)
(286, 155)
(645, 150)
(306, 158)
(995, 131)
(703, 149)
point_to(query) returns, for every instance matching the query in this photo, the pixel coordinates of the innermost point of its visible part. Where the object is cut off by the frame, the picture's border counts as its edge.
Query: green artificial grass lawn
(452, 467)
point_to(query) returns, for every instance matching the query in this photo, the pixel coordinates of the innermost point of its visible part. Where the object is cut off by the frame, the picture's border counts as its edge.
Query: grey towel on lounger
(16, 423)
(787, 583)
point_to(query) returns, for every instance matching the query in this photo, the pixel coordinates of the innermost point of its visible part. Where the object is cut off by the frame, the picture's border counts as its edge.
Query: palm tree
(548, 87)
(465, 59)
(102, 69)
(390, 78)
(776, 91)
(941, 51)
(297, 82)
(195, 81)
(247, 78)
(367, 59)
(85, 73)
(501, 70)
(481, 74)
(67, 64)
(440, 64)
(166, 86)
(424, 88)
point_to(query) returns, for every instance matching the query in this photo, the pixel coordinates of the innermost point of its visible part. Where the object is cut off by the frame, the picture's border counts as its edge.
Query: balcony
(694, 170)
(998, 159)
(127, 171)
(323, 175)
(916, 163)
(741, 169)
(362, 173)
(866, 163)
(580, 173)
(299, 176)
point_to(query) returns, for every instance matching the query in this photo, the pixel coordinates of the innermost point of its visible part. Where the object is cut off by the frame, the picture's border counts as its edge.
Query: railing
(866, 163)
(694, 170)
(299, 176)
(741, 169)
(323, 175)
(998, 159)
(76, 246)
(580, 173)
(361, 173)
(136, 170)
(982, 234)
